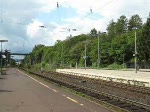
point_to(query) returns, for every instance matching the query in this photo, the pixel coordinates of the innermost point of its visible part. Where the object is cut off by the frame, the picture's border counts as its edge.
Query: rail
(100, 90)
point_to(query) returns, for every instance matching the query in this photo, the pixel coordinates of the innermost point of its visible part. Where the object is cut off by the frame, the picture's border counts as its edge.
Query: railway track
(78, 84)
(124, 104)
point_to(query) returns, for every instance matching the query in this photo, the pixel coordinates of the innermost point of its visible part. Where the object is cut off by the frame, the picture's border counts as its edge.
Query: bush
(115, 66)
(43, 64)
(28, 66)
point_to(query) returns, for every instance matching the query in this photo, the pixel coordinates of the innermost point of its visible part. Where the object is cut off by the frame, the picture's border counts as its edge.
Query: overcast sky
(20, 19)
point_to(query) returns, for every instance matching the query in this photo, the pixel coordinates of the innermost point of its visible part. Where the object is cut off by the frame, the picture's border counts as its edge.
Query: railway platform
(142, 77)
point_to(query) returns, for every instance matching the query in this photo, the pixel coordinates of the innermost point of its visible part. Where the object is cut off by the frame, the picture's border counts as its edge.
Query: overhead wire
(2, 19)
(92, 16)
(59, 15)
(91, 10)
(91, 13)
(58, 5)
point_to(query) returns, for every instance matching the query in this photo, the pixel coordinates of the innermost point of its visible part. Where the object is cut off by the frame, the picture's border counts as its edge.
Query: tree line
(116, 46)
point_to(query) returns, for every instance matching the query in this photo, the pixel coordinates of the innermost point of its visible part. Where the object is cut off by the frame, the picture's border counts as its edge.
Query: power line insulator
(91, 10)
(57, 5)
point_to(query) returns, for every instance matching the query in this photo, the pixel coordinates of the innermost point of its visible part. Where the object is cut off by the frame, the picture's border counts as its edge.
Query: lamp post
(98, 52)
(7, 54)
(62, 55)
(135, 54)
(85, 56)
(98, 61)
(123, 61)
(135, 49)
(1, 52)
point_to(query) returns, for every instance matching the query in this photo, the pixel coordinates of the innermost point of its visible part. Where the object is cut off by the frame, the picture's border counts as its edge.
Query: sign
(85, 57)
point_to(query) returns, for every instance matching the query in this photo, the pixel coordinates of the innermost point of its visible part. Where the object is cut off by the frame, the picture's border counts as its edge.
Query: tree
(76, 53)
(93, 33)
(144, 42)
(27, 59)
(121, 25)
(111, 29)
(135, 22)
(93, 53)
(115, 46)
(119, 47)
(37, 53)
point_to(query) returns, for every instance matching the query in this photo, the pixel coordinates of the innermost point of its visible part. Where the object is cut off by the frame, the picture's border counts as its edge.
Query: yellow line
(39, 82)
(81, 104)
(57, 91)
(72, 100)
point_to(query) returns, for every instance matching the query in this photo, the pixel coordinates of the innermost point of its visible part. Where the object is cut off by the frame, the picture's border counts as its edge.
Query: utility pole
(135, 54)
(7, 54)
(85, 55)
(98, 61)
(135, 49)
(123, 61)
(62, 55)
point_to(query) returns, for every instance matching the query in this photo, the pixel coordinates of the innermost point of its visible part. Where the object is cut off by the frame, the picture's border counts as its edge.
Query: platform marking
(39, 82)
(72, 100)
(62, 95)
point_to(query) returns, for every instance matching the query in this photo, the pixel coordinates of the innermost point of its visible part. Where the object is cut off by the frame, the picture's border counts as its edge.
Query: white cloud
(45, 35)
(21, 19)
(33, 28)
(47, 5)
(109, 9)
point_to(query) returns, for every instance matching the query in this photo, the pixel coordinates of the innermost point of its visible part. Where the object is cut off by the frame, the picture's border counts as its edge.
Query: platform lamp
(1, 52)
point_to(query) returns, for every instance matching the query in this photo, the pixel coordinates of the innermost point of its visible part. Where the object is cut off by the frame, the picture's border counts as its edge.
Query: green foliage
(13, 62)
(37, 53)
(111, 29)
(144, 42)
(75, 53)
(121, 25)
(116, 47)
(115, 66)
(43, 64)
(135, 22)
(28, 66)
(94, 33)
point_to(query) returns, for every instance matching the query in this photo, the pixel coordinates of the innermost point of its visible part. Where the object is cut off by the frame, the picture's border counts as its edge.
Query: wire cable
(90, 13)
(59, 15)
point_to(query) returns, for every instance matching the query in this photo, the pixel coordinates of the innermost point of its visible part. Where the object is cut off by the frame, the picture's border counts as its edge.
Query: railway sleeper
(94, 93)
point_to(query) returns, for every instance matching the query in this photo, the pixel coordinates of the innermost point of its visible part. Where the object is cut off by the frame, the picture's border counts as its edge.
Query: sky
(20, 20)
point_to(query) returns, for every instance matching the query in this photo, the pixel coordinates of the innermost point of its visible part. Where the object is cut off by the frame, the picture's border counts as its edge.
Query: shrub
(115, 66)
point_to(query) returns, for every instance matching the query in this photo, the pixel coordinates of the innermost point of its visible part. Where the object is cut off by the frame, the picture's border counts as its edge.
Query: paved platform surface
(21, 93)
(143, 75)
